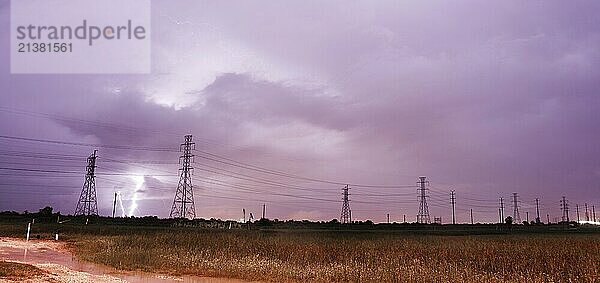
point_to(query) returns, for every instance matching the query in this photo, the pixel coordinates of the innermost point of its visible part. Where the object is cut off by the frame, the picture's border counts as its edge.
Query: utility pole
(114, 205)
(404, 218)
(501, 210)
(264, 208)
(587, 215)
(577, 209)
(537, 211)
(88, 203)
(388, 218)
(244, 213)
(594, 212)
(472, 216)
(423, 215)
(345, 216)
(516, 216)
(183, 203)
(548, 216)
(527, 213)
(453, 202)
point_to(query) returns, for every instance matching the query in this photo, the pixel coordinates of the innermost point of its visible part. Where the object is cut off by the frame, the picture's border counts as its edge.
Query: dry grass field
(13, 271)
(350, 256)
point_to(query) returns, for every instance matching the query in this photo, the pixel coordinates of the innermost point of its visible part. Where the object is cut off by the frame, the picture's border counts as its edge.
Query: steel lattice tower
(183, 203)
(423, 216)
(516, 216)
(564, 206)
(453, 203)
(345, 215)
(88, 203)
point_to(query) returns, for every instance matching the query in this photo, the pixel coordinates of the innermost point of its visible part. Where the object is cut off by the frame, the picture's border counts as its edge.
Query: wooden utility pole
(472, 216)
(114, 205)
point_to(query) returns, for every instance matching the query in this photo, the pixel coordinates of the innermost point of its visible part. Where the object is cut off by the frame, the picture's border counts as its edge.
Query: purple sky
(487, 99)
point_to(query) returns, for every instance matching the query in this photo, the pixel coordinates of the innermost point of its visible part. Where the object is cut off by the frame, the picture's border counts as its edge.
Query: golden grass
(18, 271)
(374, 257)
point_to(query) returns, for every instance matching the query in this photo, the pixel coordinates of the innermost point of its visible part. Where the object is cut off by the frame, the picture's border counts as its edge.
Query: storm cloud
(484, 98)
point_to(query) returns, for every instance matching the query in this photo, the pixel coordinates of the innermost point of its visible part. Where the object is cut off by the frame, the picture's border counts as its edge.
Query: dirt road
(58, 265)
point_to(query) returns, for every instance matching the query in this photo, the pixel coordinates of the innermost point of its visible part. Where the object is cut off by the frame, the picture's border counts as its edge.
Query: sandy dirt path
(60, 266)
(51, 258)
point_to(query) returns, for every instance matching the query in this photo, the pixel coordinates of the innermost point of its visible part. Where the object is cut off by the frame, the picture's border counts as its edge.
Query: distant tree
(369, 222)
(46, 211)
(263, 222)
(509, 220)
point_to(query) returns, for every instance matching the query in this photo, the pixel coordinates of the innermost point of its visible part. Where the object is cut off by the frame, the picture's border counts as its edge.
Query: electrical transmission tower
(88, 203)
(453, 202)
(345, 215)
(516, 216)
(183, 203)
(423, 216)
(564, 205)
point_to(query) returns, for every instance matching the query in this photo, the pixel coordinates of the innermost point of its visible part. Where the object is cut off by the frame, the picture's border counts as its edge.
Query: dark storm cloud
(240, 98)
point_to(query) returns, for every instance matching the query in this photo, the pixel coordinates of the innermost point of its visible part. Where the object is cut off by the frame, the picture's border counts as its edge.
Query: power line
(213, 157)
(232, 175)
(272, 183)
(239, 187)
(232, 162)
(119, 147)
(73, 172)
